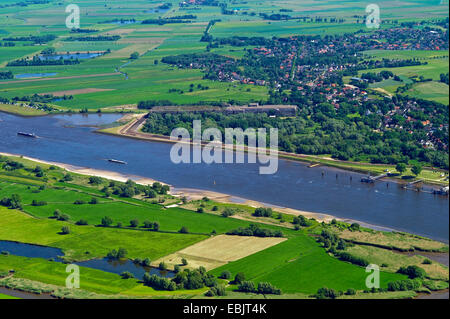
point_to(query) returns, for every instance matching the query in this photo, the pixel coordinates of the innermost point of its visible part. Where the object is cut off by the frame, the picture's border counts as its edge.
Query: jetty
(371, 179)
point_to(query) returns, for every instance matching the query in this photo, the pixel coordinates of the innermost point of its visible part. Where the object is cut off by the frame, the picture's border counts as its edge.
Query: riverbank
(131, 128)
(195, 194)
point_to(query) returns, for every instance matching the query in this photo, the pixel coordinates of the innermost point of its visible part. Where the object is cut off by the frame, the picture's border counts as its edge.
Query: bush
(94, 201)
(38, 203)
(239, 278)
(64, 217)
(95, 180)
(427, 261)
(183, 230)
(162, 266)
(65, 230)
(216, 291)
(134, 223)
(344, 256)
(200, 210)
(225, 275)
(82, 222)
(326, 293)
(267, 288)
(404, 285)
(350, 292)
(412, 272)
(126, 275)
(263, 212)
(227, 212)
(117, 254)
(301, 221)
(247, 286)
(176, 269)
(79, 202)
(107, 221)
(184, 262)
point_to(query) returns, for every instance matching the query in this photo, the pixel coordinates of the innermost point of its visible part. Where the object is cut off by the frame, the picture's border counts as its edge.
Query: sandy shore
(196, 194)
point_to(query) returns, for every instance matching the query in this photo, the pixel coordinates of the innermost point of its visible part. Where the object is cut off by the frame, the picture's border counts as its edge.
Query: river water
(69, 139)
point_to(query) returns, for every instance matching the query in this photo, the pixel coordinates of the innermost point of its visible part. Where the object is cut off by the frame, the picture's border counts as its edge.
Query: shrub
(427, 261)
(344, 256)
(65, 230)
(227, 212)
(107, 221)
(82, 222)
(94, 201)
(412, 272)
(126, 275)
(404, 285)
(326, 293)
(79, 202)
(247, 286)
(38, 203)
(117, 254)
(183, 230)
(267, 288)
(263, 212)
(56, 214)
(225, 275)
(134, 223)
(176, 269)
(200, 210)
(162, 266)
(350, 292)
(239, 278)
(301, 221)
(95, 180)
(64, 217)
(184, 262)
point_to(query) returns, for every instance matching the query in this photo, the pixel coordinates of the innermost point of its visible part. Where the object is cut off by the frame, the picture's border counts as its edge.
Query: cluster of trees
(37, 61)
(95, 38)
(263, 212)
(347, 133)
(114, 254)
(37, 39)
(301, 220)
(187, 279)
(265, 288)
(331, 241)
(131, 189)
(444, 78)
(10, 165)
(13, 202)
(404, 285)
(7, 44)
(255, 230)
(147, 105)
(413, 272)
(6, 75)
(78, 30)
(372, 77)
(163, 21)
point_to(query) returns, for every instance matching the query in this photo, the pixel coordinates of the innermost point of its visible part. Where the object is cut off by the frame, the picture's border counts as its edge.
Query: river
(70, 139)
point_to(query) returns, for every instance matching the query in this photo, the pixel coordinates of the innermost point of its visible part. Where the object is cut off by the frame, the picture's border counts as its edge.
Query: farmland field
(339, 91)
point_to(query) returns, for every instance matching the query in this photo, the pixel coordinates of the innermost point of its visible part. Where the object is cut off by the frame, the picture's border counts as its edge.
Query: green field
(300, 265)
(437, 65)
(147, 80)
